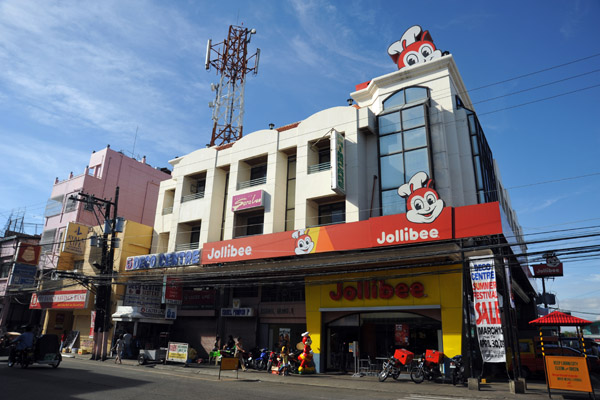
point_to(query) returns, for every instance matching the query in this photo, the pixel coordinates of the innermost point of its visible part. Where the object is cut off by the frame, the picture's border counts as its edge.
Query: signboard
(163, 260)
(3, 285)
(92, 324)
(28, 254)
(487, 312)
(401, 335)
(147, 299)
(198, 299)
(247, 201)
(178, 352)
(75, 239)
(338, 166)
(171, 312)
(22, 275)
(391, 230)
(59, 299)
(545, 270)
(172, 290)
(568, 373)
(237, 312)
(414, 47)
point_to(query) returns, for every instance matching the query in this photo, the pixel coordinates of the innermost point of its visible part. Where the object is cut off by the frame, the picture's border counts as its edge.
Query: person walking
(127, 339)
(119, 348)
(239, 353)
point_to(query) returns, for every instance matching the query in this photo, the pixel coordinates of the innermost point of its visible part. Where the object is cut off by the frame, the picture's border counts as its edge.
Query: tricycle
(155, 355)
(45, 351)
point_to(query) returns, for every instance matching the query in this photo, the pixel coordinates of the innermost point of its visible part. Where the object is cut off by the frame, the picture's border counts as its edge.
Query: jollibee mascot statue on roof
(306, 365)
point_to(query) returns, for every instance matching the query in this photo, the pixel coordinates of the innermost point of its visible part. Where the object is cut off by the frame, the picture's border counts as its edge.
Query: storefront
(416, 309)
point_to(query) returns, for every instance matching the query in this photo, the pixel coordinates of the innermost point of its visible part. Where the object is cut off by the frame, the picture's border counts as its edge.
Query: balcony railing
(167, 210)
(193, 196)
(312, 169)
(253, 182)
(186, 246)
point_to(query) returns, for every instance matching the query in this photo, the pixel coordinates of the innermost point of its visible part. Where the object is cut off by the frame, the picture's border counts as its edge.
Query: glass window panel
(292, 168)
(394, 101)
(475, 145)
(481, 196)
(291, 194)
(389, 123)
(392, 203)
(390, 144)
(289, 219)
(415, 138)
(472, 125)
(478, 176)
(392, 171)
(416, 160)
(413, 117)
(415, 94)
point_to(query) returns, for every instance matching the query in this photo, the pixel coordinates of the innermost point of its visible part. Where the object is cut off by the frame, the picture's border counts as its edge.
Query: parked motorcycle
(394, 365)
(45, 351)
(457, 370)
(272, 361)
(428, 367)
(261, 361)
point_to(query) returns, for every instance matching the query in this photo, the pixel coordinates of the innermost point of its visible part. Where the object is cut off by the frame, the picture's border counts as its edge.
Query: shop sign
(376, 289)
(3, 285)
(414, 47)
(237, 312)
(75, 240)
(546, 270)
(163, 260)
(279, 311)
(60, 299)
(401, 335)
(198, 299)
(92, 324)
(568, 373)
(172, 291)
(22, 276)
(487, 312)
(171, 312)
(338, 160)
(178, 352)
(247, 201)
(148, 296)
(28, 253)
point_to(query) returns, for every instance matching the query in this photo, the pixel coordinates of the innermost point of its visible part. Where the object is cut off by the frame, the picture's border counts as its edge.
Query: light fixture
(350, 101)
(271, 125)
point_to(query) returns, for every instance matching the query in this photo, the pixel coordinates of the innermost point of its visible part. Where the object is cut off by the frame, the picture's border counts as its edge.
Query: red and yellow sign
(568, 373)
(391, 230)
(60, 299)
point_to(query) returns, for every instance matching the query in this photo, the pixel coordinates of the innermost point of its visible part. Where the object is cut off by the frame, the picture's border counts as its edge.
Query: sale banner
(487, 311)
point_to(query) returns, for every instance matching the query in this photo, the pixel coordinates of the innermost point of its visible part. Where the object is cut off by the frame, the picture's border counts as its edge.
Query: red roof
(557, 318)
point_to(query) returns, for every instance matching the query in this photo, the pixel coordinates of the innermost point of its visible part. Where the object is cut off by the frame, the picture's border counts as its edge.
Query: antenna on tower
(230, 59)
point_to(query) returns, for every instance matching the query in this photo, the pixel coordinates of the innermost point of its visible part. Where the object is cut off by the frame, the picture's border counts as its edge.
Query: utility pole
(102, 304)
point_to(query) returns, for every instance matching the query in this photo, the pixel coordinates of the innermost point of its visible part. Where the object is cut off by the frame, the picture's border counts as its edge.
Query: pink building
(138, 184)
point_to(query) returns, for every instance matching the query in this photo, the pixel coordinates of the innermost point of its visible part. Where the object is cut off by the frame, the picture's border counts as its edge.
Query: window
(333, 213)
(290, 208)
(78, 266)
(403, 144)
(54, 206)
(71, 204)
(5, 270)
(198, 187)
(258, 172)
(47, 240)
(483, 162)
(195, 236)
(249, 223)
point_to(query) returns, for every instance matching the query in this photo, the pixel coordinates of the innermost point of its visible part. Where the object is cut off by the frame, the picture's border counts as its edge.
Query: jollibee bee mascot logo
(304, 243)
(415, 47)
(423, 203)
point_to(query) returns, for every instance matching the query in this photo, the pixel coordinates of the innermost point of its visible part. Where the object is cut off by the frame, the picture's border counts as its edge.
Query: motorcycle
(457, 370)
(45, 351)
(272, 361)
(394, 365)
(428, 367)
(261, 361)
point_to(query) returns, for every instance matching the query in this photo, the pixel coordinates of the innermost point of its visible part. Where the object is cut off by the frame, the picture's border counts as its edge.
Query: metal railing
(312, 169)
(253, 182)
(193, 196)
(186, 246)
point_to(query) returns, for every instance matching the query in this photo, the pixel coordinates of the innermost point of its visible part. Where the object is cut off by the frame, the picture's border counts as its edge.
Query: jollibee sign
(426, 220)
(374, 289)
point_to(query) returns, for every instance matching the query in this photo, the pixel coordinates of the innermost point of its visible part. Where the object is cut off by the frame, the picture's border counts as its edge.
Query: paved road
(80, 378)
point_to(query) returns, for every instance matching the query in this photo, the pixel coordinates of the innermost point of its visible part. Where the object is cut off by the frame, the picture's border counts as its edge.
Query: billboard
(59, 299)
(75, 239)
(28, 253)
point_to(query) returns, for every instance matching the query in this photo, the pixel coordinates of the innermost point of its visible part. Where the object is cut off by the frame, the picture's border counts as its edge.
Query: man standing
(127, 338)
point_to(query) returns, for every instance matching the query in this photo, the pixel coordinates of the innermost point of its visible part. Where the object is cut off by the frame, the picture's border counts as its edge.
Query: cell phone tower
(230, 59)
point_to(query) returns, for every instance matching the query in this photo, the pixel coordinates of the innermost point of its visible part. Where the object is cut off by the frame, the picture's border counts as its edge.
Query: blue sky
(76, 76)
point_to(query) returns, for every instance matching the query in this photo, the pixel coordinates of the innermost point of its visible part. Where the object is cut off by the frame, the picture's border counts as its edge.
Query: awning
(127, 313)
(558, 318)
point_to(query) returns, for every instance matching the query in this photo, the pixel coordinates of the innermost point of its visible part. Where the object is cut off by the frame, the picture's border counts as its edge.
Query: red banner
(391, 230)
(60, 299)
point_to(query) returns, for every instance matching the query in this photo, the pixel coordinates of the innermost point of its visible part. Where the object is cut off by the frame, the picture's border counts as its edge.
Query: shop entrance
(378, 334)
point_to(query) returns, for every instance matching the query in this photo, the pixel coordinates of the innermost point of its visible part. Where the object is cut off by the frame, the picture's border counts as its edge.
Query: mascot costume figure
(306, 358)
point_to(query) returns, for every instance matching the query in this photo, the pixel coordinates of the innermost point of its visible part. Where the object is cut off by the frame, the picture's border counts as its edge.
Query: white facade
(451, 162)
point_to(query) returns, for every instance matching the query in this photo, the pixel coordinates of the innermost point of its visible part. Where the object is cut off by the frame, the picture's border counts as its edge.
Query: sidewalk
(403, 388)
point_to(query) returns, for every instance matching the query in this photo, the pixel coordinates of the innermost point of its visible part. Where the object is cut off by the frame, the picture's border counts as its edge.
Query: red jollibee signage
(376, 289)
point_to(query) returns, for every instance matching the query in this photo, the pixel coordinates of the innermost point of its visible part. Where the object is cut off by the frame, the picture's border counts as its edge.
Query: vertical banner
(338, 163)
(401, 335)
(487, 311)
(92, 324)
